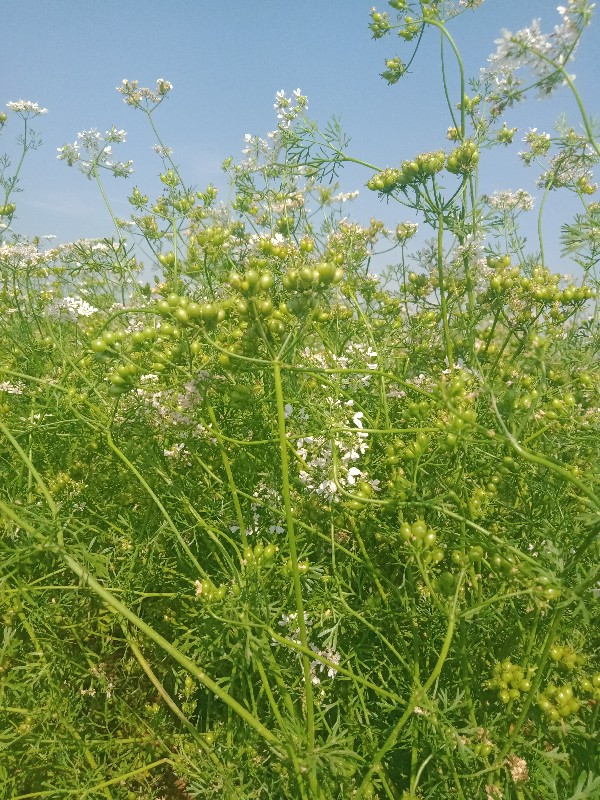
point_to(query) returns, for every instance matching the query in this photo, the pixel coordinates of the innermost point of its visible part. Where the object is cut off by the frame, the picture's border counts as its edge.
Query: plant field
(275, 525)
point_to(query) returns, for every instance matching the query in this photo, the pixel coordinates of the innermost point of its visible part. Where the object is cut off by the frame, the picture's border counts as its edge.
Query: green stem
(461, 70)
(542, 460)
(584, 117)
(10, 185)
(539, 223)
(289, 746)
(230, 479)
(291, 535)
(107, 204)
(443, 306)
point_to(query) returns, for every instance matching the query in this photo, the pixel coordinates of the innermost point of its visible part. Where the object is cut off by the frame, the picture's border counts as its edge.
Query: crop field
(277, 521)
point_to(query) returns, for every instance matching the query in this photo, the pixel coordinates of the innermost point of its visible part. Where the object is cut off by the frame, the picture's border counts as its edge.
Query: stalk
(291, 535)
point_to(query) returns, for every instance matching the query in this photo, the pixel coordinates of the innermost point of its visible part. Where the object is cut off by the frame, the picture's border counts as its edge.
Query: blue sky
(226, 59)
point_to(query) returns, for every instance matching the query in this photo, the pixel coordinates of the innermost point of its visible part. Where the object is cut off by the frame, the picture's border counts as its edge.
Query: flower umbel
(143, 97)
(92, 150)
(26, 109)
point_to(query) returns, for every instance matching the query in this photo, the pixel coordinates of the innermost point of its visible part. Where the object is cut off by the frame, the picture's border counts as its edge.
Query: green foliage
(273, 526)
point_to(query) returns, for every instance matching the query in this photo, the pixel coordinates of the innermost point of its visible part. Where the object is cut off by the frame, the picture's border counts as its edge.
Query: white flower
(327, 487)
(141, 96)
(176, 451)
(276, 529)
(12, 388)
(26, 108)
(343, 197)
(539, 52)
(352, 475)
(163, 152)
(518, 768)
(76, 306)
(330, 655)
(509, 201)
(114, 135)
(96, 152)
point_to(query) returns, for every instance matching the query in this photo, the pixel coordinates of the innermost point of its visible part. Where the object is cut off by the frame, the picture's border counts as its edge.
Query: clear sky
(226, 59)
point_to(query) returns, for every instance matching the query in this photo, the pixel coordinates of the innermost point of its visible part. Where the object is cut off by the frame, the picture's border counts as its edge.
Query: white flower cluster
(169, 406)
(255, 149)
(262, 517)
(83, 246)
(288, 108)
(567, 168)
(142, 97)
(316, 454)
(21, 254)
(539, 52)
(359, 355)
(75, 306)
(12, 388)
(327, 653)
(178, 451)
(300, 415)
(510, 201)
(518, 768)
(472, 250)
(343, 197)
(92, 150)
(25, 108)
(162, 151)
(292, 202)
(260, 150)
(330, 655)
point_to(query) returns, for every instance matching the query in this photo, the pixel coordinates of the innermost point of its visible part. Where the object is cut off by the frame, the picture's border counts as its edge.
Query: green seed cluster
(253, 558)
(259, 554)
(380, 24)
(254, 307)
(419, 170)
(325, 273)
(363, 492)
(539, 288)
(510, 680)
(590, 685)
(8, 210)
(483, 749)
(422, 537)
(566, 656)
(558, 702)
(463, 159)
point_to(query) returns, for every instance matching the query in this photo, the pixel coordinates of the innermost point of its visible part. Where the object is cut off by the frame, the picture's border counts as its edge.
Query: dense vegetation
(275, 526)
